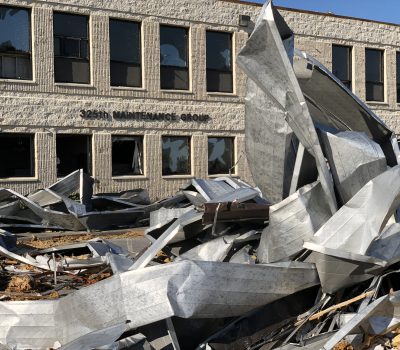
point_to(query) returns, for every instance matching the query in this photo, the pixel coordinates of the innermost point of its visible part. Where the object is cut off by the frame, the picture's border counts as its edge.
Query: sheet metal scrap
(234, 212)
(53, 207)
(293, 221)
(266, 62)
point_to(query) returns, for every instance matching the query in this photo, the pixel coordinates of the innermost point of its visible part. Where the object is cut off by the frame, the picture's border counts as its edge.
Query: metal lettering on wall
(144, 116)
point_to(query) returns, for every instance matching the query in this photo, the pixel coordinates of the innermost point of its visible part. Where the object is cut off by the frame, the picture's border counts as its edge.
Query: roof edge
(256, 4)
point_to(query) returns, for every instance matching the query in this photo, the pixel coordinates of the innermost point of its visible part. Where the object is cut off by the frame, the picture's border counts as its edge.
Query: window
(176, 155)
(15, 43)
(71, 48)
(127, 155)
(17, 155)
(125, 53)
(174, 58)
(398, 75)
(219, 62)
(220, 155)
(73, 152)
(374, 75)
(342, 64)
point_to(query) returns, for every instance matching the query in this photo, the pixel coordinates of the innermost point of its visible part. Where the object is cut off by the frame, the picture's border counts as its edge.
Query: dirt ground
(57, 241)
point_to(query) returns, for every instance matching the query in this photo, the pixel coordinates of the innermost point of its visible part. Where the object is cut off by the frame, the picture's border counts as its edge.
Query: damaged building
(309, 258)
(139, 94)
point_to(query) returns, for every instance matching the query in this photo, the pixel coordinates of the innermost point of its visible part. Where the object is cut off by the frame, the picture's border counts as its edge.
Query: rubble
(308, 259)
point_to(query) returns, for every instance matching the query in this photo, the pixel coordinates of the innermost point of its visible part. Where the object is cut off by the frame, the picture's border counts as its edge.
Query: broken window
(220, 155)
(342, 64)
(71, 48)
(127, 155)
(219, 62)
(73, 152)
(374, 73)
(176, 155)
(17, 155)
(15, 43)
(398, 75)
(174, 68)
(125, 53)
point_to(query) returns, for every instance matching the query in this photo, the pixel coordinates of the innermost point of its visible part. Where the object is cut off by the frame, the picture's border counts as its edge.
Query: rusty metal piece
(234, 211)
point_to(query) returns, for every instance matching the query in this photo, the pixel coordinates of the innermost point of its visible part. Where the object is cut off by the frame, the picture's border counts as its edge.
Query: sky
(378, 10)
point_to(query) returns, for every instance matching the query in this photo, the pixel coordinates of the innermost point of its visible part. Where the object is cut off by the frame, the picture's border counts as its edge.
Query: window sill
(75, 85)
(184, 92)
(222, 94)
(175, 177)
(377, 103)
(128, 88)
(18, 179)
(222, 175)
(129, 177)
(18, 81)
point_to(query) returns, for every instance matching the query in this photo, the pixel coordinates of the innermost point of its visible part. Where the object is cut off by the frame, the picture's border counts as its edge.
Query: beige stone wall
(46, 108)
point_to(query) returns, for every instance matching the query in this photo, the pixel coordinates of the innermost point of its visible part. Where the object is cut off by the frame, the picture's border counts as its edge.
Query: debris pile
(54, 208)
(308, 259)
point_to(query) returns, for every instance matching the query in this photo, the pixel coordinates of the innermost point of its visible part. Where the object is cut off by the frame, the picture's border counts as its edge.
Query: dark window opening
(219, 62)
(176, 155)
(15, 43)
(342, 64)
(71, 48)
(125, 53)
(127, 155)
(374, 75)
(73, 152)
(174, 68)
(17, 155)
(220, 155)
(398, 75)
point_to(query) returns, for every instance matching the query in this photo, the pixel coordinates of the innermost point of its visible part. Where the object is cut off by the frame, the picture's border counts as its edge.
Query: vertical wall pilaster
(359, 71)
(45, 158)
(101, 152)
(100, 52)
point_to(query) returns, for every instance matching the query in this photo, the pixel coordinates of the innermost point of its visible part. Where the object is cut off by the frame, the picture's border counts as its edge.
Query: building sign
(144, 116)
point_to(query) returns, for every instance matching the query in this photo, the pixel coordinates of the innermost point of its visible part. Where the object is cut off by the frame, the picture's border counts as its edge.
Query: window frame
(347, 83)
(232, 69)
(88, 59)
(89, 149)
(32, 153)
(140, 54)
(382, 73)
(398, 76)
(233, 156)
(189, 160)
(186, 69)
(141, 138)
(19, 55)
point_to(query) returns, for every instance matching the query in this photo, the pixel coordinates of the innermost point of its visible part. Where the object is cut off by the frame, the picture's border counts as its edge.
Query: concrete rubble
(308, 258)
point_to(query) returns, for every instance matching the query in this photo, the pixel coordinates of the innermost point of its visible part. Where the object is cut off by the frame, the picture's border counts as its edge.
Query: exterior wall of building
(46, 108)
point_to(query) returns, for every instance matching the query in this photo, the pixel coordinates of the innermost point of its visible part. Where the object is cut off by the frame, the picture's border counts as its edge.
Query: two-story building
(147, 94)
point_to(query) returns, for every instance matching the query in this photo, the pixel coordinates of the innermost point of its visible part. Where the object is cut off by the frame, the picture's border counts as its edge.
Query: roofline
(256, 4)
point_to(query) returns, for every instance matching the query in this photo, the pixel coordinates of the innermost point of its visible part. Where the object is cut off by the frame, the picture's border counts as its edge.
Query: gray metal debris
(354, 158)
(185, 289)
(266, 62)
(293, 221)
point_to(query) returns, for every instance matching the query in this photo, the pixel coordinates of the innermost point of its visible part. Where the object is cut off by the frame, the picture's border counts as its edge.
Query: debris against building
(308, 259)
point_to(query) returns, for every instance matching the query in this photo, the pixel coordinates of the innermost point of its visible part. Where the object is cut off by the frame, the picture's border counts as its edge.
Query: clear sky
(378, 10)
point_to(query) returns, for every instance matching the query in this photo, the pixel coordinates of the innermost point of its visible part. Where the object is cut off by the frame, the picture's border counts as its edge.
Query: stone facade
(46, 108)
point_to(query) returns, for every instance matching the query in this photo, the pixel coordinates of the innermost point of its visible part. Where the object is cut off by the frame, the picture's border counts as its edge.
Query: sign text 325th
(144, 116)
